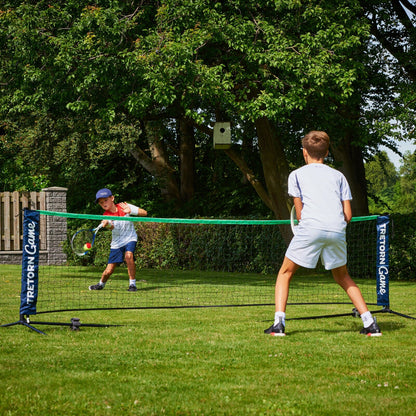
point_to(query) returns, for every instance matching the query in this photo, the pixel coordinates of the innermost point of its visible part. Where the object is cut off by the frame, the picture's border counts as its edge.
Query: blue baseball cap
(102, 193)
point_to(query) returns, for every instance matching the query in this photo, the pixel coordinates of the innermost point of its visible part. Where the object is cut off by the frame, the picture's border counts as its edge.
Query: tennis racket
(83, 240)
(293, 220)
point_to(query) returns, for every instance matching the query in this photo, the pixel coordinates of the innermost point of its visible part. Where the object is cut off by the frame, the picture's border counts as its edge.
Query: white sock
(279, 316)
(101, 283)
(367, 319)
(133, 282)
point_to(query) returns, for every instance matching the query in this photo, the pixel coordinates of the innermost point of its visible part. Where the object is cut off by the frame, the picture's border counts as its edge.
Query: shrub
(403, 246)
(242, 248)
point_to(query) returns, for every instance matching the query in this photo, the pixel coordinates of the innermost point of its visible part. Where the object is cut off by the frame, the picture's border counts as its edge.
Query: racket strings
(80, 239)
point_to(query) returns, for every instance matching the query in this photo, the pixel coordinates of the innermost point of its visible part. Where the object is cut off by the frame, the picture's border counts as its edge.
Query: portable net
(201, 263)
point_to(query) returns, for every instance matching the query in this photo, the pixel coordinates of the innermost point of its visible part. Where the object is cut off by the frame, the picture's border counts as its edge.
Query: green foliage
(389, 190)
(406, 192)
(237, 248)
(270, 65)
(403, 246)
(380, 173)
(80, 80)
(244, 248)
(170, 246)
(200, 247)
(14, 175)
(60, 57)
(394, 55)
(381, 178)
(157, 246)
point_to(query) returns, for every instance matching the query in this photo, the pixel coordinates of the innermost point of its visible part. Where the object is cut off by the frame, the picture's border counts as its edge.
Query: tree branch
(397, 52)
(409, 6)
(248, 173)
(403, 16)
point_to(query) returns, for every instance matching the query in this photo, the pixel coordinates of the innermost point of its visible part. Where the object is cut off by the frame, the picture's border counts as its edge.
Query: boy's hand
(105, 223)
(125, 207)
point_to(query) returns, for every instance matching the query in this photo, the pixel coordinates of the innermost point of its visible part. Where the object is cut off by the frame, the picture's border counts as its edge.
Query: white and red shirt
(123, 231)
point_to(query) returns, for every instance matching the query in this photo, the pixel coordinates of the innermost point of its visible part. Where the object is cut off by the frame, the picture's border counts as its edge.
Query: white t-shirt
(322, 190)
(123, 231)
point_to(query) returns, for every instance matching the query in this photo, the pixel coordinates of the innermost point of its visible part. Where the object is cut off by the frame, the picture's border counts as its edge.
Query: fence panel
(12, 205)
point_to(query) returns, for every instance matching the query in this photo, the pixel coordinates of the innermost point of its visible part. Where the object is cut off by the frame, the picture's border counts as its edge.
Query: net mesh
(201, 263)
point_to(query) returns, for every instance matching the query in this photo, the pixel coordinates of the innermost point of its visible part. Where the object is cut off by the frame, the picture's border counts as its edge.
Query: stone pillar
(56, 227)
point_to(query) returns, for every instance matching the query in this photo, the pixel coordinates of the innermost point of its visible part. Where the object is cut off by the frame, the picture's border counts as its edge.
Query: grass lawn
(207, 361)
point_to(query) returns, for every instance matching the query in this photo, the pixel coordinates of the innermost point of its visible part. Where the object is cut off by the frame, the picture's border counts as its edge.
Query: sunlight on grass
(207, 361)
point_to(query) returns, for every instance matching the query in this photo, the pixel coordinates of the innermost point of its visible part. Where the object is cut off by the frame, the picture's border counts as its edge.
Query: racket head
(79, 239)
(293, 220)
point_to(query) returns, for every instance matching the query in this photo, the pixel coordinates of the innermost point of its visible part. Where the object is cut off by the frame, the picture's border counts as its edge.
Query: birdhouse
(222, 135)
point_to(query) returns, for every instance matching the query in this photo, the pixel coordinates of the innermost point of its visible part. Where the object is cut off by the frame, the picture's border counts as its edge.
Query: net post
(30, 269)
(30, 274)
(30, 263)
(382, 264)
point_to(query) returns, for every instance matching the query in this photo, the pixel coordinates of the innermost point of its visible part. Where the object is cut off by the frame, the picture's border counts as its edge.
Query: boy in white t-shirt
(321, 196)
(124, 237)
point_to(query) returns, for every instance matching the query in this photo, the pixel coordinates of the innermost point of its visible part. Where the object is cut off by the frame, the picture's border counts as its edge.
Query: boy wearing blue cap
(124, 237)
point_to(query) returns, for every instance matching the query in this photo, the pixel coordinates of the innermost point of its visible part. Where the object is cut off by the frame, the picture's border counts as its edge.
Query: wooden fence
(11, 218)
(52, 230)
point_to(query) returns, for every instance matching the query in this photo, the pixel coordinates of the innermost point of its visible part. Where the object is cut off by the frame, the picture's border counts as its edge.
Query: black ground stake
(74, 325)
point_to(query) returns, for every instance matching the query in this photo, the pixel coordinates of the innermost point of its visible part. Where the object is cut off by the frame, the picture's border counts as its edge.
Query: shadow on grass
(348, 328)
(66, 288)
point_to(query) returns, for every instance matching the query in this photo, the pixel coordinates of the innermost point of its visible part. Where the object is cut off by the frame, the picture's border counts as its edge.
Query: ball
(87, 246)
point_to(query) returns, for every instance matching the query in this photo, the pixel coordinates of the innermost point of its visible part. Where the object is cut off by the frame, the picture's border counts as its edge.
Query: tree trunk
(250, 177)
(187, 158)
(158, 165)
(351, 162)
(275, 167)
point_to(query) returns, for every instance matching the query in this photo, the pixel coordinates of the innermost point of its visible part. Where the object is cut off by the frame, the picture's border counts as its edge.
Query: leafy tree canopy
(113, 93)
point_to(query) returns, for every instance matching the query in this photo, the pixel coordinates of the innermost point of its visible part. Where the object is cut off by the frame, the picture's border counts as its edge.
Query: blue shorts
(309, 244)
(117, 254)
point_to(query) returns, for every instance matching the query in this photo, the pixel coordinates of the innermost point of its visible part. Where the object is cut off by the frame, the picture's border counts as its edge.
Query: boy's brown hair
(316, 144)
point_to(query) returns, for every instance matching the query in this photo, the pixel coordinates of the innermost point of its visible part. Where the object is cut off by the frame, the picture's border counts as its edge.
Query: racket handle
(99, 227)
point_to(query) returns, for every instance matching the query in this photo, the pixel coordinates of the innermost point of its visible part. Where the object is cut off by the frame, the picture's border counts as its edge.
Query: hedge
(257, 249)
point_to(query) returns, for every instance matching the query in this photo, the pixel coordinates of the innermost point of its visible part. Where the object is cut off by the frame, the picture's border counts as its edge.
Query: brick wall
(56, 228)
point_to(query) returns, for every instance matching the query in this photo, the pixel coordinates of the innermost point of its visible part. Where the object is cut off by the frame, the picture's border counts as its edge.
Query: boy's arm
(346, 206)
(142, 212)
(133, 210)
(297, 202)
